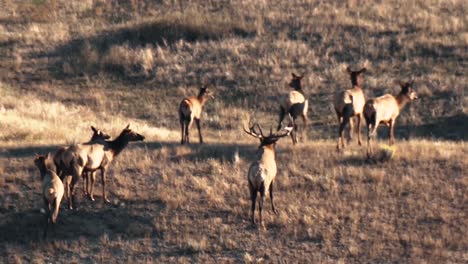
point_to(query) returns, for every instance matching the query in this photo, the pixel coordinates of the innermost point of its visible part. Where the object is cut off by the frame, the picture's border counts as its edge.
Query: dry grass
(67, 66)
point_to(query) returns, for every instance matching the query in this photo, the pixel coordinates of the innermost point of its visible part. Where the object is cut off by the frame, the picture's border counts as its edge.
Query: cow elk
(190, 110)
(385, 109)
(52, 188)
(58, 158)
(348, 104)
(295, 105)
(262, 172)
(93, 156)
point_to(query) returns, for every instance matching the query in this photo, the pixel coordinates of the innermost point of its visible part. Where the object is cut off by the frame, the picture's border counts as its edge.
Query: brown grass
(66, 66)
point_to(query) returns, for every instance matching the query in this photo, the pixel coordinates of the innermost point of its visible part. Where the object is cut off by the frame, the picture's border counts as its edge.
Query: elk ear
(363, 70)
(128, 126)
(94, 129)
(348, 70)
(48, 156)
(294, 75)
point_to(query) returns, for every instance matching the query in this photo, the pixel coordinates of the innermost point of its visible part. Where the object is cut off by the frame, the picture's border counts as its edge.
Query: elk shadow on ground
(27, 226)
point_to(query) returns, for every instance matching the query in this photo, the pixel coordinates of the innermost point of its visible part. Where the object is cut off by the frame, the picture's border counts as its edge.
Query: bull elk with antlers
(262, 172)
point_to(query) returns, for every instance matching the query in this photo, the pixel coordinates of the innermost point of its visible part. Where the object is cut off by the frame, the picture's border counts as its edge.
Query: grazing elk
(295, 105)
(262, 172)
(93, 156)
(385, 109)
(350, 103)
(189, 110)
(58, 158)
(52, 188)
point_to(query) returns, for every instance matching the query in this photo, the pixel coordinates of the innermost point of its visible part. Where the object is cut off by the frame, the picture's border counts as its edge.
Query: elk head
(407, 90)
(357, 78)
(296, 82)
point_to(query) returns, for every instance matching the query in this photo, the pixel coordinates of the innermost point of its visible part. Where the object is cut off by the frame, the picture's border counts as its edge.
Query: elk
(93, 156)
(58, 158)
(294, 105)
(262, 172)
(189, 110)
(52, 188)
(348, 104)
(385, 109)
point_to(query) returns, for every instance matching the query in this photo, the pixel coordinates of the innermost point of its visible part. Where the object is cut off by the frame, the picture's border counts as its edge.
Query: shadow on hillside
(23, 152)
(446, 128)
(28, 226)
(219, 151)
(84, 55)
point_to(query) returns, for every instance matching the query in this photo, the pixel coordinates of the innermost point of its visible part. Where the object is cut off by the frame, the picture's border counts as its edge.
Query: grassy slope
(68, 66)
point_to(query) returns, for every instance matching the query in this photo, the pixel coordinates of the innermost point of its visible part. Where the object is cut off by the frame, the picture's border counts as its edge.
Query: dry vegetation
(66, 65)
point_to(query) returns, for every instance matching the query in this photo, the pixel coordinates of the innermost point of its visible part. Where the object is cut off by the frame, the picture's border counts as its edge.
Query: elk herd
(61, 171)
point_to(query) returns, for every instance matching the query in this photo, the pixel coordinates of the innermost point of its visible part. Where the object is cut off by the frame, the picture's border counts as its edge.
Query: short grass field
(68, 65)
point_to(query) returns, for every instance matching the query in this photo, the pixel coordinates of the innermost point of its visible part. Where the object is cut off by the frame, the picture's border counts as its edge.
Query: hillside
(65, 66)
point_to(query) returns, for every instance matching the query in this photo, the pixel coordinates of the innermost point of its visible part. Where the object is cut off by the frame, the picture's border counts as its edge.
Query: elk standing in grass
(348, 104)
(262, 172)
(52, 188)
(58, 158)
(189, 110)
(295, 105)
(385, 109)
(93, 156)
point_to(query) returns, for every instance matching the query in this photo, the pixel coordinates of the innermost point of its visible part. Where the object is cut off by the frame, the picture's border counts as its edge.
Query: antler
(253, 133)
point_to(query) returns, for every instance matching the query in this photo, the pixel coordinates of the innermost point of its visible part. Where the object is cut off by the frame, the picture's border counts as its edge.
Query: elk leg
(260, 205)
(187, 134)
(68, 191)
(85, 183)
(271, 199)
(281, 117)
(344, 122)
(253, 197)
(293, 132)
(182, 128)
(91, 186)
(304, 128)
(72, 194)
(369, 135)
(391, 136)
(351, 130)
(197, 121)
(359, 130)
(103, 180)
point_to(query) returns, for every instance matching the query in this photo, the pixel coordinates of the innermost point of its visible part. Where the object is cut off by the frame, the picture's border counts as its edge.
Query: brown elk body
(190, 110)
(93, 156)
(384, 110)
(348, 104)
(52, 188)
(58, 158)
(295, 105)
(262, 172)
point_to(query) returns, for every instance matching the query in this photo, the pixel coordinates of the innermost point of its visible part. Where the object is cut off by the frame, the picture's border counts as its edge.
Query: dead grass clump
(129, 59)
(197, 245)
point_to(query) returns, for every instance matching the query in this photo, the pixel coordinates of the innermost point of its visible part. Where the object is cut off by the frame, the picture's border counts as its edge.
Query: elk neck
(117, 145)
(402, 100)
(202, 98)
